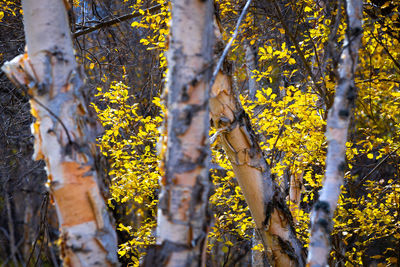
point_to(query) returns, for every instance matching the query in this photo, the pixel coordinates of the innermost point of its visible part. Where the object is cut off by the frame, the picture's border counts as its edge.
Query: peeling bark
(266, 201)
(50, 74)
(337, 128)
(182, 218)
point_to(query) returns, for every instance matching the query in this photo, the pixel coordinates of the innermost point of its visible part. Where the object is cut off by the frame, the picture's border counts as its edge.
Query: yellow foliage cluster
(232, 220)
(368, 212)
(10, 8)
(157, 25)
(293, 131)
(129, 143)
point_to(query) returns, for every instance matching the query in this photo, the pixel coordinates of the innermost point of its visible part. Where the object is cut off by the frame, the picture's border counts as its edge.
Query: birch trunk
(266, 201)
(51, 75)
(257, 257)
(251, 66)
(337, 127)
(182, 218)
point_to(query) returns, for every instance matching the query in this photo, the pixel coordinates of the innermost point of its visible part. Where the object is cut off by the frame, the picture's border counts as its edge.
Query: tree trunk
(251, 64)
(296, 182)
(182, 217)
(51, 75)
(266, 201)
(337, 127)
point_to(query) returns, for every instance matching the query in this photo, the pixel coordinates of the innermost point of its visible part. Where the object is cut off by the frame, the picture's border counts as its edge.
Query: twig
(10, 224)
(228, 46)
(70, 142)
(376, 167)
(114, 21)
(316, 86)
(45, 203)
(397, 64)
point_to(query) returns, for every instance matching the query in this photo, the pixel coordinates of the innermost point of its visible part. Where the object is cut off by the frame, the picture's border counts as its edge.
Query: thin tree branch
(10, 223)
(43, 216)
(228, 46)
(115, 21)
(300, 52)
(387, 51)
(376, 167)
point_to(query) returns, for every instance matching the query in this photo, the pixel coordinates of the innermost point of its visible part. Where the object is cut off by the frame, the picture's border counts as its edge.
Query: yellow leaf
(385, 5)
(1, 15)
(370, 156)
(91, 66)
(376, 257)
(307, 9)
(122, 252)
(229, 243)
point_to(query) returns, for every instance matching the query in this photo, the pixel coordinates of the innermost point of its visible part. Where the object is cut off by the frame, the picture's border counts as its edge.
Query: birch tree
(263, 196)
(337, 130)
(51, 76)
(182, 217)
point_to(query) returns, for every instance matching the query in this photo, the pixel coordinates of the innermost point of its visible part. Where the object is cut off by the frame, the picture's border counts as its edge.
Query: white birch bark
(182, 218)
(337, 128)
(50, 74)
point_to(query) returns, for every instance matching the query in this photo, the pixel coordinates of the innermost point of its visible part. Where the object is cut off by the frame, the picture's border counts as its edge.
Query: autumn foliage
(297, 47)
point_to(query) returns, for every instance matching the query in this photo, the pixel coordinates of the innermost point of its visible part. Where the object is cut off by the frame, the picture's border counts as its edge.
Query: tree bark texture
(337, 128)
(251, 64)
(50, 74)
(266, 201)
(182, 216)
(296, 182)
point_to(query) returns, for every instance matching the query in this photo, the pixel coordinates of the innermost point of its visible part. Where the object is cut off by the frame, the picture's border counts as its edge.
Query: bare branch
(228, 46)
(117, 20)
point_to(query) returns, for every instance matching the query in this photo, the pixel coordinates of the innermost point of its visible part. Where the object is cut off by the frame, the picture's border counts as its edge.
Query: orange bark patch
(179, 203)
(196, 94)
(72, 199)
(188, 179)
(193, 139)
